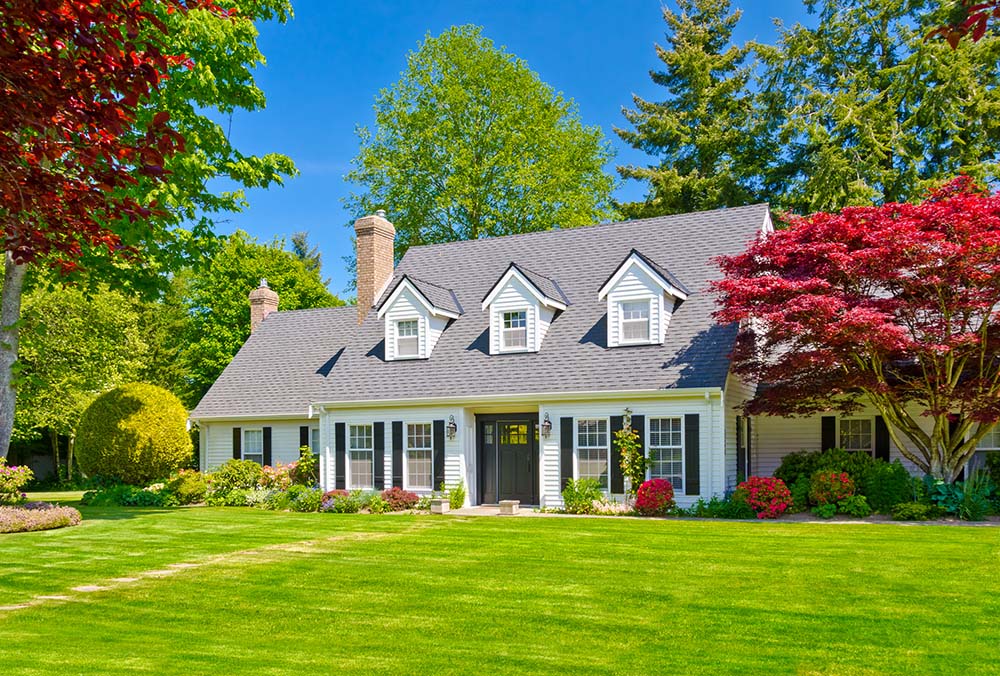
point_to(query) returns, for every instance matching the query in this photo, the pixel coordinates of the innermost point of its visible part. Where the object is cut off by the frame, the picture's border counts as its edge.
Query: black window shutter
(378, 432)
(881, 439)
(828, 432)
(438, 453)
(397, 453)
(267, 445)
(565, 451)
(741, 458)
(303, 436)
(237, 443)
(615, 460)
(749, 444)
(692, 455)
(639, 425)
(340, 456)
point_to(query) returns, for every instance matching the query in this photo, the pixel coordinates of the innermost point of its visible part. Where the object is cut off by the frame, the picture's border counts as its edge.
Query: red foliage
(971, 17)
(399, 500)
(73, 130)
(768, 496)
(896, 303)
(655, 498)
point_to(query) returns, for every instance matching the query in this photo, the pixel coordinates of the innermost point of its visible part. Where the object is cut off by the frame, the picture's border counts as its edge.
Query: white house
(508, 363)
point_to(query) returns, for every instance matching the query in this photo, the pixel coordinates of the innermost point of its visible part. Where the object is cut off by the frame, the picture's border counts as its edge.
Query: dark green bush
(123, 495)
(825, 511)
(855, 505)
(188, 486)
(720, 508)
(234, 498)
(244, 475)
(800, 495)
(304, 498)
(911, 511)
(135, 433)
(806, 463)
(886, 484)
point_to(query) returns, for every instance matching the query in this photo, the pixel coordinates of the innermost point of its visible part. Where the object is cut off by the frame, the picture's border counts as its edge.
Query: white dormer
(415, 314)
(641, 297)
(521, 307)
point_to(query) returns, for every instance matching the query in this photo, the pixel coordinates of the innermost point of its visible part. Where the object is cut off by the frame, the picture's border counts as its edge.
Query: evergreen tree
(700, 134)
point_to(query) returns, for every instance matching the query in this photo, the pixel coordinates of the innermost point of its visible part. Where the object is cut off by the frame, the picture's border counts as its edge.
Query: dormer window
(635, 321)
(641, 297)
(515, 330)
(521, 306)
(416, 313)
(408, 338)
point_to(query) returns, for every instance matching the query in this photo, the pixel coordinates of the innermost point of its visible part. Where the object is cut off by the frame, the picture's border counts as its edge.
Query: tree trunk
(10, 313)
(56, 462)
(70, 445)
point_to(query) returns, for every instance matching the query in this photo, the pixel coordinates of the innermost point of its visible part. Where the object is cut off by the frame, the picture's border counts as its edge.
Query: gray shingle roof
(438, 296)
(574, 356)
(549, 287)
(663, 272)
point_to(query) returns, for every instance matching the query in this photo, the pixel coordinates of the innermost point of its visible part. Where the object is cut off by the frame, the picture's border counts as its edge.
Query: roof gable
(660, 275)
(546, 291)
(444, 303)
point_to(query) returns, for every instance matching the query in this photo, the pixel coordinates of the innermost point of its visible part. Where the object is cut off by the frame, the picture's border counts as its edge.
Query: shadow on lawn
(117, 513)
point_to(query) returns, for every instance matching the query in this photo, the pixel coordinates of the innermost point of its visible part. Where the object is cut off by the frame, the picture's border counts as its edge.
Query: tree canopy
(216, 300)
(895, 305)
(699, 134)
(471, 143)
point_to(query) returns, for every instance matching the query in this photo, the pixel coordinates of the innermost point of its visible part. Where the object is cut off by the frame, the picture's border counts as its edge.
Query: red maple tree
(969, 17)
(896, 305)
(74, 136)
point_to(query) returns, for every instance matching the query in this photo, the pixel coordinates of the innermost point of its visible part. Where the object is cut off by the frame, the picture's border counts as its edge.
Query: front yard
(279, 593)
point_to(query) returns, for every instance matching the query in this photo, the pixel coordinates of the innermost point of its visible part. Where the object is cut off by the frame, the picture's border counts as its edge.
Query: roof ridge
(593, 226)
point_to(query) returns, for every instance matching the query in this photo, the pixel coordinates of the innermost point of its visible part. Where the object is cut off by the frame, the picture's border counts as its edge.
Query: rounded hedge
(134, 433)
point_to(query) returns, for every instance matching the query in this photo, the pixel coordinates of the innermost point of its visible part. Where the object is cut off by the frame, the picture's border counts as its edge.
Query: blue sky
(326, 65)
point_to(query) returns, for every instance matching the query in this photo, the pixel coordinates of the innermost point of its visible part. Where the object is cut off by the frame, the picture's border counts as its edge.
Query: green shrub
(855, 505)
(123, 495)
(305, 498)
(720, 508)
(188, 486)
(305, 472)
(234, 498)
(277, 500)
(245, 475)
(825, 511)
(993, 468)
(800, 495)
(911, 511)
(806, 463)
(258, 498)
(135, 433)
(967, 500)
(886, 484)
(580, 495)
(378, 505)
(423, 502)
(341, 502)
(456, 496)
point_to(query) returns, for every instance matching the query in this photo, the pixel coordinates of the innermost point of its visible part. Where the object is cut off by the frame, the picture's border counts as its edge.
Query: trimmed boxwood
(135, 433)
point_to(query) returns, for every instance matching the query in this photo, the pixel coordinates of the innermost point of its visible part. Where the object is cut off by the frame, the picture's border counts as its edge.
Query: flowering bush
(655, 498)
(768, 496)
(342, 502)
(12, 480)
(826, 488)
(399, 500)
(278, 476)
(37, 516)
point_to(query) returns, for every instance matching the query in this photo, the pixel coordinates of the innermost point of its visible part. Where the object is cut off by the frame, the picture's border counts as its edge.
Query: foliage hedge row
(34, 516)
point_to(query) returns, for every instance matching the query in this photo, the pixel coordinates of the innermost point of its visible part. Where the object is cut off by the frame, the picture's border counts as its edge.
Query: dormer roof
(544, 289)
(658, 273)
(438, 300)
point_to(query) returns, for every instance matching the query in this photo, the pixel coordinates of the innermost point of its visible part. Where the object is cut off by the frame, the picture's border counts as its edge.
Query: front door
(508, 458)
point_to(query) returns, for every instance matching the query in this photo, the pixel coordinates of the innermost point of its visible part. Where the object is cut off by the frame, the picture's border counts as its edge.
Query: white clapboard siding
(217, 440)
(512, 297)
(407, 306)
(737, 392)
(637, 285)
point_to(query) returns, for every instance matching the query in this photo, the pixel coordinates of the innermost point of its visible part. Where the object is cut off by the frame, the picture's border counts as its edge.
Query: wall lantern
(452, 427)
(546, 426)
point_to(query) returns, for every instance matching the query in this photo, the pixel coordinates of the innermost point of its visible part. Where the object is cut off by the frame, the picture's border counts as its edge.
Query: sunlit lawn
(276, 593)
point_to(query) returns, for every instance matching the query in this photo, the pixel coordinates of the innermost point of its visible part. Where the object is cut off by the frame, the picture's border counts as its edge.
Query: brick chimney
(374, 236)
(263, 301)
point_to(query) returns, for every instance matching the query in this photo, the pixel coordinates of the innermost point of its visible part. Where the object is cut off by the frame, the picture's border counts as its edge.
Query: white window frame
(397, 336)
(995, 432)
(351, 450)
(503, 330)
(577, 448)
(622, 340)
(840, 426)
(679, 490)
(314, 442)
(243, 444)
(407, 485)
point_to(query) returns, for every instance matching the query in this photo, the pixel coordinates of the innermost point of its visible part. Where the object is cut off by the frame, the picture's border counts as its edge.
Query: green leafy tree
(471, 143)
(74, 346)
(308, 253)
(701, 134)
(216, 298)
(865, 109)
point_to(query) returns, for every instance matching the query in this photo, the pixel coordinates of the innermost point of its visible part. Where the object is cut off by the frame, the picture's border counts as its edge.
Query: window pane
(991, 441)
(408, 338)
(515, 329)
(418, 435)
(592, 450)
(419, 459)
(635, 320)
(314, 440)
(666, 454)
(515, 320)
(360, 456)
(409, 327)
(635, 309)
(856, 435)
(253, 446)
(635, 330)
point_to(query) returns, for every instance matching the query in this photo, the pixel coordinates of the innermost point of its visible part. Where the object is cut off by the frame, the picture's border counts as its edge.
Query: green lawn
(276, 593)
